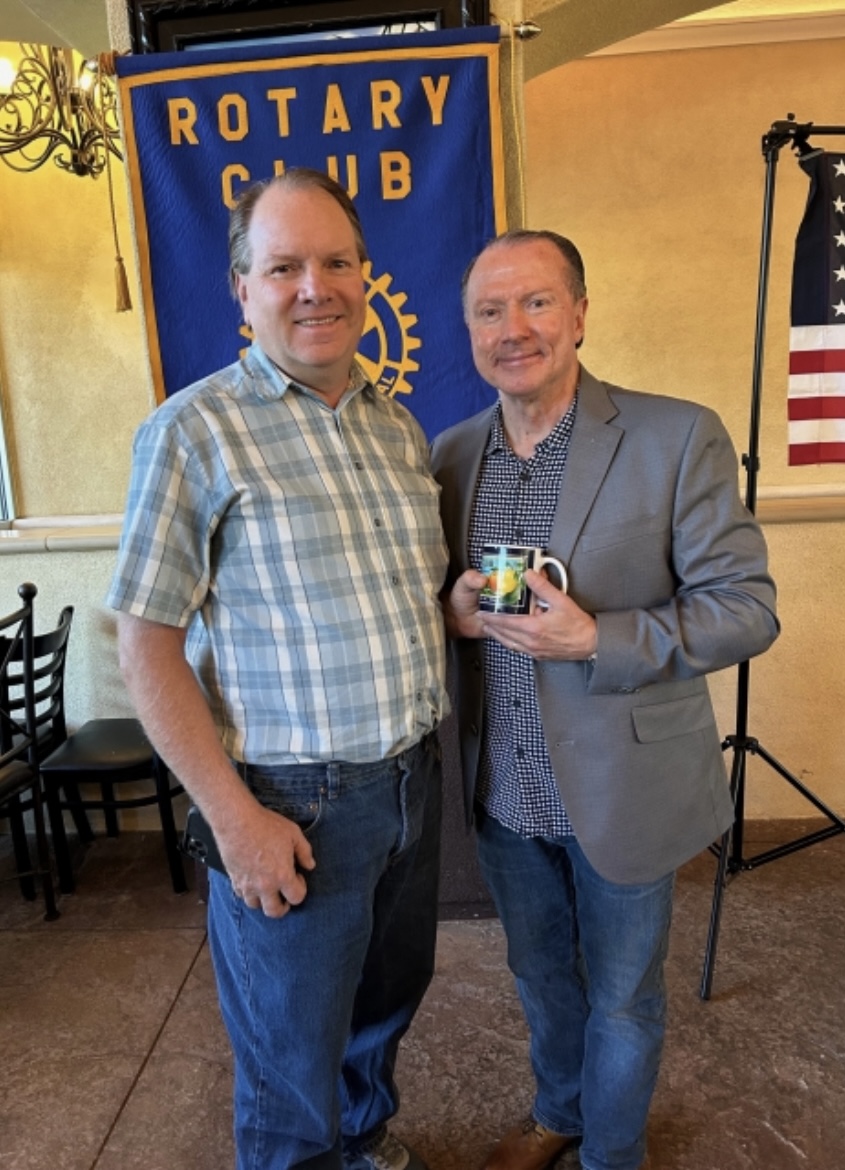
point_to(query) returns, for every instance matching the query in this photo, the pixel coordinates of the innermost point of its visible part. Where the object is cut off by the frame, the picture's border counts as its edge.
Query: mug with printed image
(504, 566)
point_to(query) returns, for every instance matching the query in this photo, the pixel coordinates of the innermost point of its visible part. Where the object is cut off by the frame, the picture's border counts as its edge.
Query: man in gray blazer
(591, 759)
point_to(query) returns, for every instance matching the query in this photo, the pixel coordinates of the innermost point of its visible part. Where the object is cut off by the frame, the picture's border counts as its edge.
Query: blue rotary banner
(408, 124)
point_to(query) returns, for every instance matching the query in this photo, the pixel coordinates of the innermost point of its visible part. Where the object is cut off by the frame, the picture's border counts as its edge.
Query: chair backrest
(49, 656)
(17, 684)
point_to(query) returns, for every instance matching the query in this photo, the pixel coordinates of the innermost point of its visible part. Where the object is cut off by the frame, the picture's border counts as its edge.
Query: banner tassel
(124, 300)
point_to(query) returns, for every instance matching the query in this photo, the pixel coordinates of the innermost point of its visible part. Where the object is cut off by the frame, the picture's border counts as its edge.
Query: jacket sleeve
(723, 607)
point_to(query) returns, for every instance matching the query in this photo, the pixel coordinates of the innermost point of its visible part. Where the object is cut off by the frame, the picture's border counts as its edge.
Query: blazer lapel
(591, 451)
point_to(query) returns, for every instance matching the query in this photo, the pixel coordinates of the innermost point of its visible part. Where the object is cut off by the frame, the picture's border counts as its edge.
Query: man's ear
(582, 315)
(241, 292)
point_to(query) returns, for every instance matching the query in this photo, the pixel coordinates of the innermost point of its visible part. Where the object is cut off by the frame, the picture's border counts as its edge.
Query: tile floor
(114, 1057)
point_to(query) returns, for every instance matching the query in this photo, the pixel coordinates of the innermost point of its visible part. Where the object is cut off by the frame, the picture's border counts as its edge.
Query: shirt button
(419, 696)
(525, 476)
(517, 703)
(520, 753)
(377, 522)
(359, 465)
(413, 639)
(394, 579)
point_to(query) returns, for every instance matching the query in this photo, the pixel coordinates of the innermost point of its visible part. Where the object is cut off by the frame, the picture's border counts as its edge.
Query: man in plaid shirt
(281, 636)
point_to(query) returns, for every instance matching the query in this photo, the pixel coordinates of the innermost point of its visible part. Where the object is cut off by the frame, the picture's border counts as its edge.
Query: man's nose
(514, 322)
(313, 285)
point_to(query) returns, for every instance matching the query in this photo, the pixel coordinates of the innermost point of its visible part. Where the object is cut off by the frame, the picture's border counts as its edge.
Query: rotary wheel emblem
(387, 344)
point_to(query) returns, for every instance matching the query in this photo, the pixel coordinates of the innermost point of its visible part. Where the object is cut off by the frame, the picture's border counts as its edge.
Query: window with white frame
(7, 503)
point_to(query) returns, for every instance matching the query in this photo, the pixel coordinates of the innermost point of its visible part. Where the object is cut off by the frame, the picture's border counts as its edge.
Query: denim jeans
(316, 1003)
(587, 955)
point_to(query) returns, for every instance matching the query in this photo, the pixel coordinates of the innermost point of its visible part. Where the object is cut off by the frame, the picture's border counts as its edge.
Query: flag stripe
(820, 361)
(816, 385)
(800, 409)
(817, 337)
(800, 456)
(817, 430)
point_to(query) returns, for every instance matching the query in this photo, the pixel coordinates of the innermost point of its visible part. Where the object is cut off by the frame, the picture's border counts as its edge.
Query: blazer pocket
(668, 720)
(608, 536)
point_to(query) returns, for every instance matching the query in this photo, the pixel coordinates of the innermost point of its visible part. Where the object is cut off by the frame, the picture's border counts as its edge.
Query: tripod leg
(738, 793)
(715, 918)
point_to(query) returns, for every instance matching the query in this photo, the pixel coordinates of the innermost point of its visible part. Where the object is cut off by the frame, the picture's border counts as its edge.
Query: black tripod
(730, 851)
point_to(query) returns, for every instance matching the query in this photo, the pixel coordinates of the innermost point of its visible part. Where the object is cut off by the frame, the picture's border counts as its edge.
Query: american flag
(817, 336)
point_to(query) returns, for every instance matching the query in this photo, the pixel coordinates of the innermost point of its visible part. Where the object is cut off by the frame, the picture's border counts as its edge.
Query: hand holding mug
(557, 629)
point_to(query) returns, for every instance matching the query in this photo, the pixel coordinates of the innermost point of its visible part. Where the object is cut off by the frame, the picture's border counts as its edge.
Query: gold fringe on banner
(106, 66)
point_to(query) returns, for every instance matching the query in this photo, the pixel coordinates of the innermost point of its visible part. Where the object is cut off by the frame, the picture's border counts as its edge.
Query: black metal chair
(50, 656)
(20, 781)
(108, 752)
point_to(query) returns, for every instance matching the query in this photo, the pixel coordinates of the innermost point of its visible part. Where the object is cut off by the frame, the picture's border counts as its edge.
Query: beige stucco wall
(653, 164)
(74, 384)
(72, 370)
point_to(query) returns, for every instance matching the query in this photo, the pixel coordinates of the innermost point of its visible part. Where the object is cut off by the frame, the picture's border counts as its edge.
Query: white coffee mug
(504, 566)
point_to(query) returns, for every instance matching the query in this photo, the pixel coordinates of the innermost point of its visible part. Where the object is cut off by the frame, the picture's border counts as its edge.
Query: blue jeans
(316, 1003)
(587, 955)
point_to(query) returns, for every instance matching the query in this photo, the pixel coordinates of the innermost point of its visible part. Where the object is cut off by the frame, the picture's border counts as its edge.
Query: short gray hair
(574, 264)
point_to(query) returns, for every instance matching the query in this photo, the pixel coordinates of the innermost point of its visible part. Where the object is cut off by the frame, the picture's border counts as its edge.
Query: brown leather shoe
(530, 1146)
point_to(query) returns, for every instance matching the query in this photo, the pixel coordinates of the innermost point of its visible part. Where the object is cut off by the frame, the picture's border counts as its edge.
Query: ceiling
(571, 28)
(80, 24)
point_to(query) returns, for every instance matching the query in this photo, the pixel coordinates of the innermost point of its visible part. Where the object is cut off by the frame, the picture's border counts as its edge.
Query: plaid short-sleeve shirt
(302, 548)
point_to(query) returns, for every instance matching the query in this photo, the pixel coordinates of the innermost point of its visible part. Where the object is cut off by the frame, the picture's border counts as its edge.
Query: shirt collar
(273, 383)
(558, 436)
(496, 439)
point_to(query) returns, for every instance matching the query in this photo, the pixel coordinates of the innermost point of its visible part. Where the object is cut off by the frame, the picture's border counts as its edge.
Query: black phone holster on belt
(198, 841)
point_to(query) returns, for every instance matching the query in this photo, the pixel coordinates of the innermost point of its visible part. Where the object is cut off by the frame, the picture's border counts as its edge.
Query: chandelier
(54, 108)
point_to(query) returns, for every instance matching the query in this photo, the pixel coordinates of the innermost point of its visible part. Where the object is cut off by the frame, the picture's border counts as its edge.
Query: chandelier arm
(49, 111)
(33, 153)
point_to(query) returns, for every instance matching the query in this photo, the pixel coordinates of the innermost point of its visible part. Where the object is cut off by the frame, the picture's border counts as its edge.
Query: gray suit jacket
(659, 546)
